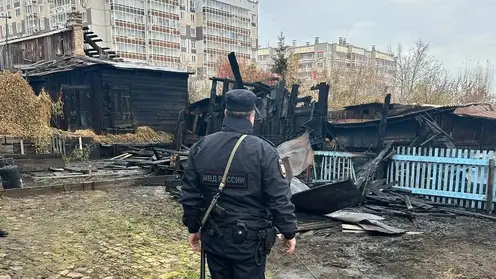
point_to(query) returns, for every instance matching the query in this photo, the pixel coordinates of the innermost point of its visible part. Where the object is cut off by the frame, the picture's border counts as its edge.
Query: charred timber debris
(283, 114)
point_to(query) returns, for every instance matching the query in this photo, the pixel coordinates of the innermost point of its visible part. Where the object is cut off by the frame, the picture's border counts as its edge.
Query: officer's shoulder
(263, 143)
(266, 140)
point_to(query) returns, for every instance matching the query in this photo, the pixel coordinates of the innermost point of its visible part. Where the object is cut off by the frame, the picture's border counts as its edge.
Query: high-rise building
(192, 34)
(323, 56)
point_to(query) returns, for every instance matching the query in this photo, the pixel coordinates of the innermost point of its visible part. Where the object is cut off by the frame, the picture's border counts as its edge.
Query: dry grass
(22, 113)
(142, 134)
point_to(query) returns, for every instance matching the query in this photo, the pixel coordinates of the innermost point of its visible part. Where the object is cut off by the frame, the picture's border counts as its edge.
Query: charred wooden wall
(156, 97)
(55, 83)
(116, 100)
(36, 49)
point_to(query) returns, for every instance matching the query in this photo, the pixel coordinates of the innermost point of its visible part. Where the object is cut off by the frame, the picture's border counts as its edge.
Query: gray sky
(457, 29)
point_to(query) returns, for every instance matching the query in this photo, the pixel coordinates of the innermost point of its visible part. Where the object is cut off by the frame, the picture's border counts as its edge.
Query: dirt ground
(136, 233)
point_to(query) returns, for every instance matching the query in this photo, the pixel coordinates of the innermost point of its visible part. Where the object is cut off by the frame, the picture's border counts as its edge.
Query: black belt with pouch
(240, 233)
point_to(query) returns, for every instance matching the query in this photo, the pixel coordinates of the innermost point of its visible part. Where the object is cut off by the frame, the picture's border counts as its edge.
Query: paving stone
(106, 231)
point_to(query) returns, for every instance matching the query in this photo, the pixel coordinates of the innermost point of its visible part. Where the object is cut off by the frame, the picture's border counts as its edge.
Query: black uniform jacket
(256, 191)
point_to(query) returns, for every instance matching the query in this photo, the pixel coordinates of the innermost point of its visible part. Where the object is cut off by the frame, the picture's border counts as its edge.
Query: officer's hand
(194, 240)
(291, 244)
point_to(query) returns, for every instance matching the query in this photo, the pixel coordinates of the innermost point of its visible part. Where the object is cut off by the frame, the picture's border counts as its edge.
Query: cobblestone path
(125, 233)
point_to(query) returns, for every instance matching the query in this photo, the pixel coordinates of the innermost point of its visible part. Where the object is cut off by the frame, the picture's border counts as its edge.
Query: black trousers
(228, 260)
(222, 268)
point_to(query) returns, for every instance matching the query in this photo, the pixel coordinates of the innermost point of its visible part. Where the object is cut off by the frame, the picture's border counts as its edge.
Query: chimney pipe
(294, 43)
(340, 41)
(317, 40)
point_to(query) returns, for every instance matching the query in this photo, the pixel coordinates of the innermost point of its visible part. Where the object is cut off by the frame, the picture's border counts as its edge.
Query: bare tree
(421, 78)
(198, 88)
(474, 83)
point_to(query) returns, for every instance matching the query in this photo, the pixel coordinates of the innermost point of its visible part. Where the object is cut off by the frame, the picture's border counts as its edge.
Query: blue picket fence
(333, 166)
(456, 176)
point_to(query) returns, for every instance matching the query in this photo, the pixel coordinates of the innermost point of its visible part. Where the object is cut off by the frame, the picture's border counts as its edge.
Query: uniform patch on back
(282, 168)
(238, 180)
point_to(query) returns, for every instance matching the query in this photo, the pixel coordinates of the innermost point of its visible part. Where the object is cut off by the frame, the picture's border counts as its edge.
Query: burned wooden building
(281, 114)
(473, 126)
(111, 96)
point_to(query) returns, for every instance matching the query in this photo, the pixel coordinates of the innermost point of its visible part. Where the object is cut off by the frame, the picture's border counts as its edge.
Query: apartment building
(323, 56)
(182, 34)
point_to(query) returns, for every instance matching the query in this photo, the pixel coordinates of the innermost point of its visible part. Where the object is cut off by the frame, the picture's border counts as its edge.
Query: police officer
(256, 197)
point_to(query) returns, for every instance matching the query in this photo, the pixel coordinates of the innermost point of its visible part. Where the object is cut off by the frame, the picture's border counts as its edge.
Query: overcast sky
(457, 29)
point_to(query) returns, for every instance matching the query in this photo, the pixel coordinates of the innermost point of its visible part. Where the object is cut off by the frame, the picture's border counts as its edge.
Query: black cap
(241, 100)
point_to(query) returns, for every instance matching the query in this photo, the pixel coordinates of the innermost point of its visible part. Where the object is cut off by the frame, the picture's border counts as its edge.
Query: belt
(253, 235)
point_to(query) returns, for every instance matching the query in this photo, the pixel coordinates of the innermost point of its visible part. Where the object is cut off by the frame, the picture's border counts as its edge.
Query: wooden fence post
(490, 187)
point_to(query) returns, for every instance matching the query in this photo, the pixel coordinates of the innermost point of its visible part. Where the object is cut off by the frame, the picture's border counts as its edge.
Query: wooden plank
(482, 180)
(397, 166)
(437, 177)
(458, 170)
(490, 187)
(446, 175)
(407, 174)
(402, 173)
(33, 165)
(476, 181)
(323, 171)
(429, 171)
(333, 170)
(444, 194)
(441, 159)
(464, 183)
(418, 169)
(97, 185)
(423, 176)
(341, 154)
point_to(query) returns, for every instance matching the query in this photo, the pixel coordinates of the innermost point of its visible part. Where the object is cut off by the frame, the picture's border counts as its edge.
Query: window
(183, 43)
(18, 27)
(9, 14)
(183, 30)
(193, 17)
(18, 12)
(193, 44)
(193, 58)
(42, 24)
(182, 15)
(320, 55)
(41, 9)
(193, 31)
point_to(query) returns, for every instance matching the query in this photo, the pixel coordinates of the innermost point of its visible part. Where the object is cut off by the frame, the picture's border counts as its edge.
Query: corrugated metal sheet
(478, 111)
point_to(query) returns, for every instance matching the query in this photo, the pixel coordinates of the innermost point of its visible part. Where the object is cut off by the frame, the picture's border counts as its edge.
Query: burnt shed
(471, 126)
(111, 96)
